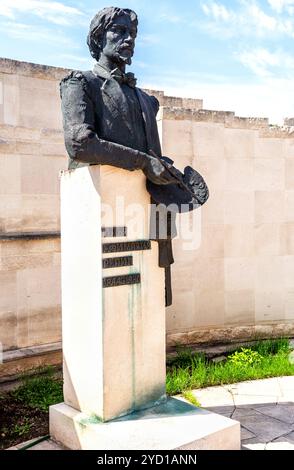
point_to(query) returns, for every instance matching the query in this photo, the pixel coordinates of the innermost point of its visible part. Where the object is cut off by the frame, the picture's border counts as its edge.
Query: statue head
(113, 32)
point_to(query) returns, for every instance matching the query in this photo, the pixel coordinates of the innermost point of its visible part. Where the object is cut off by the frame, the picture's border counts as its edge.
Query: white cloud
(247, 19)
(265, 63)
(54, 12)
(34, 33)
(280, 5)
(217, 11)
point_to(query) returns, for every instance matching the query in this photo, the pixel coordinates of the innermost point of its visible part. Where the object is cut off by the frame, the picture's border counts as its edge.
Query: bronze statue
(109, 121)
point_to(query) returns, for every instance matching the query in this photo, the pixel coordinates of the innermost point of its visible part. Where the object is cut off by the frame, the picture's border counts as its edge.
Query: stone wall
(239, 282)
(31, 155)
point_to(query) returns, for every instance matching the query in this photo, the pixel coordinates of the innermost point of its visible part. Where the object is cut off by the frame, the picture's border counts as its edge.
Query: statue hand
(156, 172)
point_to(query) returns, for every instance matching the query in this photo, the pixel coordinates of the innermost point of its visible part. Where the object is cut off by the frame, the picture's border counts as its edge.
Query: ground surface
(31, 422)
(265, 409)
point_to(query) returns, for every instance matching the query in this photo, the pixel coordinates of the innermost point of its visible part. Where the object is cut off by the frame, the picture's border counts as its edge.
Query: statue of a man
(108, 120)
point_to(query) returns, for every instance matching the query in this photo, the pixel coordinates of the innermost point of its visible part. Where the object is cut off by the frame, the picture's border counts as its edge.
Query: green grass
(265, 359)
(40, 391)
(188, 395)
(187, 371)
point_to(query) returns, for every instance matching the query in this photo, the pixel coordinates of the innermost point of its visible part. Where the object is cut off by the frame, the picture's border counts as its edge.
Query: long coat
(95, 122)
(97, 131)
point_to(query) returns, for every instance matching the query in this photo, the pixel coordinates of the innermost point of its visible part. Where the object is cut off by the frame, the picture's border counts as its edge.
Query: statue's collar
(121, 77)
(101, 71)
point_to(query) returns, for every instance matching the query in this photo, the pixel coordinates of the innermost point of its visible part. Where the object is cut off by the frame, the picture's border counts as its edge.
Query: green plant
(19, 429)
(245, 357)
(190, 397)
(188, 370)
(271, 346)
(40, 391)
(22, 428)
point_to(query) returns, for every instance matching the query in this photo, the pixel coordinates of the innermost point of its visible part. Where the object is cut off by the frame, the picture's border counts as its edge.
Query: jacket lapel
(115, 96)
(151, 130)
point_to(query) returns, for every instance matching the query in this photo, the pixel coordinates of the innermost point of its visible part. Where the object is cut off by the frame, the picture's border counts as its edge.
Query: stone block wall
(238, 283)
(31, 155)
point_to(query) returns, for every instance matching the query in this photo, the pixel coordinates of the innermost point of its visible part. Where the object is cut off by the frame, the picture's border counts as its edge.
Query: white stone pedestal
(172, 425)
(113, 337)
(113, 325)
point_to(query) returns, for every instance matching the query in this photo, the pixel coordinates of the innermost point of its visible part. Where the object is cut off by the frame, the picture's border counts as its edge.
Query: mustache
(125, 46)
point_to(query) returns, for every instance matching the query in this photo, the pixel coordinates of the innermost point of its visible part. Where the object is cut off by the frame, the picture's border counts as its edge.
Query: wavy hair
(102, 21)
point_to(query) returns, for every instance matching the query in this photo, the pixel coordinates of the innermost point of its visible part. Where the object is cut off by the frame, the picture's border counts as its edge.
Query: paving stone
(287, 385)
(251, 400)
(280, 444)
(288, 398)
(245, 434)
(23, 444)
(266, 387)
(240, 412)
(47, 445)
(253, 444)
(214, 396)
(265, 428)
(282, 412)
(221, 410)
(290, 436)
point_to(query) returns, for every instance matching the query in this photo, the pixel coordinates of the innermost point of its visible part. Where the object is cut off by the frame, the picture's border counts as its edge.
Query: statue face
(119, 40)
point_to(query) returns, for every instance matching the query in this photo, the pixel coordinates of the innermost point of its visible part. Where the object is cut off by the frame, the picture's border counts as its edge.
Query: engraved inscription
(118, 247)
(117, 262)
(124, 280)
(114, 231)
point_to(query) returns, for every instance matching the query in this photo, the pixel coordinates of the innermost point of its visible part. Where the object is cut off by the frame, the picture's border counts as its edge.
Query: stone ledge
(13, 236)
(230, 334)
(19, 361)
(29, 69)
(228, 119)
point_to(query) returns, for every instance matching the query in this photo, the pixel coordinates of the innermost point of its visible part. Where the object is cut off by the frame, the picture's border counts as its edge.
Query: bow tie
(124, 78)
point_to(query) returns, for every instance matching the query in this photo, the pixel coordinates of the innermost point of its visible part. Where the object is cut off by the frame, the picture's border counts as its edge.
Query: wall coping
(172, 108)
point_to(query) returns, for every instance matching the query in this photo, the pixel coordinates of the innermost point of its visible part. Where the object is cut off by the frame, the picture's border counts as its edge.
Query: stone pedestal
(113, 318)
(113, 325)
(173, 425)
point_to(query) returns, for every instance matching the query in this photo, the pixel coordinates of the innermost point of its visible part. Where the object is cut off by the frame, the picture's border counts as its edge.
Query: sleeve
(81, 141)
(155, 104)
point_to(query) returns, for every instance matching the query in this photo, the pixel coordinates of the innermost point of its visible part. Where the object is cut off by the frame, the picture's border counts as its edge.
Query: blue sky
(236, 55)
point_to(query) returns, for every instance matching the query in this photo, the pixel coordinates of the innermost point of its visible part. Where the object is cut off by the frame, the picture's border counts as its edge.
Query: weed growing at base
(265, 359)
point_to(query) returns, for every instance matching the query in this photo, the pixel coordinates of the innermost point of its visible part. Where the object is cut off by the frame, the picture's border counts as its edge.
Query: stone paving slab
(282, 412)
(47, 445)
(239, 412)
(245, 434)
(250, 400)
(266, 387)
(287, 388)
(265, 409)
(265, 427)
(253, 444)
(283, 443)
(214, 397)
